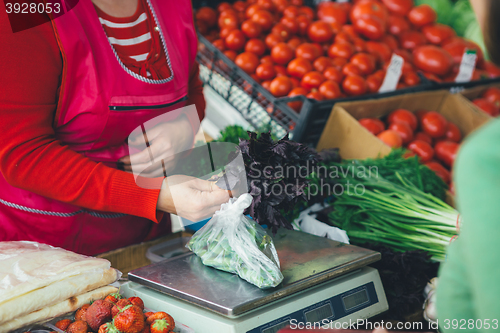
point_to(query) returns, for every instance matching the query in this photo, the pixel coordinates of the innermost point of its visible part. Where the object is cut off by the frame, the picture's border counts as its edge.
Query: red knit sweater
(31, 157)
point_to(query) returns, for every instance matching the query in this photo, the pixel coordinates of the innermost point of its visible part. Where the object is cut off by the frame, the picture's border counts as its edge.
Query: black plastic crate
(259, 107)
(455, 87)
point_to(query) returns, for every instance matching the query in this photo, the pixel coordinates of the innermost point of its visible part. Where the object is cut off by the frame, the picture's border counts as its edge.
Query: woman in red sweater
(72, 90)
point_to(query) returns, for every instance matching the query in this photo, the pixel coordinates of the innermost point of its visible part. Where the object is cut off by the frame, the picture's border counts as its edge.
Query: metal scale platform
(325, 282)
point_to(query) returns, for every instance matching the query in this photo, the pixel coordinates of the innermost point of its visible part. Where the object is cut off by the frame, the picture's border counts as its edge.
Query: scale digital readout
(325, 282)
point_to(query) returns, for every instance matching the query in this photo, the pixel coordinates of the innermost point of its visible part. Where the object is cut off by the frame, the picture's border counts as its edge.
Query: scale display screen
(355, 299)
(277, 327)
(319, 314)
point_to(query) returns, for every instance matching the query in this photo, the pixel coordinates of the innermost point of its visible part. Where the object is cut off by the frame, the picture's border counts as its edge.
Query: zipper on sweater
(146, 107)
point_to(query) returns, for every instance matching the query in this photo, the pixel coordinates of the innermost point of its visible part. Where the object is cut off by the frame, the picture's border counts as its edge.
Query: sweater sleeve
(31, 157)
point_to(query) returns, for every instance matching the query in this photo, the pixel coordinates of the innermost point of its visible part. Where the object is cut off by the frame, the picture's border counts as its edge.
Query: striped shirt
(136, 42)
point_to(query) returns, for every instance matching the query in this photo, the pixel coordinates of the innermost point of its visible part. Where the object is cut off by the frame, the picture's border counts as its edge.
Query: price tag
(467, 66)
(393, 74)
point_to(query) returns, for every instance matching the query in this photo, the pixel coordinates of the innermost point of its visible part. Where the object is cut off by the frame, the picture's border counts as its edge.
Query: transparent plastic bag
(234, 243)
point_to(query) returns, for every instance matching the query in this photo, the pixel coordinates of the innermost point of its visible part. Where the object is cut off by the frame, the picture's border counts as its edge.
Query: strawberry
(162, 326)
(108, 328)
(147, 314)
(146, 329)
(122, 303)
(78, 326)
(137, 301)
(130, 319)
(98, 313)
(80, 313)
(63, 324)
(113, 298)
(158, 315)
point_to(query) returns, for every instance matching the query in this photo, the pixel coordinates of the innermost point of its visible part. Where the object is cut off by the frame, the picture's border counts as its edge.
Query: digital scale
(325, 282)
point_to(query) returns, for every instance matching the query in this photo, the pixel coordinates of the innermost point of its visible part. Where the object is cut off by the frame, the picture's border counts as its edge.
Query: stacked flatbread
(39, 282)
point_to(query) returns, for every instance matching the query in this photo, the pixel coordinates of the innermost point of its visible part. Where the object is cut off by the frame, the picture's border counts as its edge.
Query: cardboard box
(343, 131)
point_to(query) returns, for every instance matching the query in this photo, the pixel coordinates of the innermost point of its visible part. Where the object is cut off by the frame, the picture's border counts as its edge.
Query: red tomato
(332, 73)
(256, 46)
(456, 47)
(391, 41)
(207, 15)
(359, 45)
(351, 69)
(492, 95)
(280, 70)
(368, 8)
(272, 40)
(297, 105)
(266, 4)
(343, 50)
(329, 89)
(339, 63)
(266, 85)
(437, 33)
(282, 53)
(486, 106)
(240, 6)
(315, 94)
(397, 24)
(291, 24)
(308, 12)
(373, 125)
(219, 44)
(365, 62)
(332, 12)
(312, 80)
(403, 116)
(370, 27)
(304, 23)
(265, 72)
(307, 51)
(432, 59)
(434, 124)
(235, 40)
(422, 149)
(252, 9)
(251, 29)
(349, 29)
(228, 21)
(423, 137)
(404, 131)
(247, 61)
(294, 42)
(373, 82)
(422, 15)
(280, 86)
(299, 67)
(281, 30)
(267, 60)
(446, 152)
(411, 39)
(291, 11)
(492, 70)
(295, 82)
(440, 171)
(391, 138)
(264, 18)
(354, 85)
(398, 7)
(230, 54)
(453, 133)
(342, 37)
(380, 50)
(411, 79)
(322, 63)
(320, 32)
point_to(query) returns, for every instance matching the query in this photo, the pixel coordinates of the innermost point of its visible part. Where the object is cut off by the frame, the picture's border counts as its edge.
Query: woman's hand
(165, 140)
(191, 198)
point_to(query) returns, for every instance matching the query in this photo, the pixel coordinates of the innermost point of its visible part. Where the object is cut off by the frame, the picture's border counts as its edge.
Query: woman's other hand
(191, 198)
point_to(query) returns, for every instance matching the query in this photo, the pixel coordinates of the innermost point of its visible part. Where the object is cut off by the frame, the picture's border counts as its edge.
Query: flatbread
(54, 293)
(27, 266)
(59, 309)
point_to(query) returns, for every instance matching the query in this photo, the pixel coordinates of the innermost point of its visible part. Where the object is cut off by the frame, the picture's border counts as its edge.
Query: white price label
(467, 66)
(393, 74)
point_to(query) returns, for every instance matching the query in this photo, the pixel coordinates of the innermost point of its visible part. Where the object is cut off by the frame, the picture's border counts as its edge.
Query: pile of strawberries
(424, 133)
(337, 49)
(115, 314)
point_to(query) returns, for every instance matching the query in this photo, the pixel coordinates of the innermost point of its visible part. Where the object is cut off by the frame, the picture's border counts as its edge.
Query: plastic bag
(234, 243)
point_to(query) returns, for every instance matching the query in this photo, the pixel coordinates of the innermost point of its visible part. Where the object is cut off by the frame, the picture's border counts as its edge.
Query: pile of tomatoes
(426, 134)
(337, 49)
(489, 101)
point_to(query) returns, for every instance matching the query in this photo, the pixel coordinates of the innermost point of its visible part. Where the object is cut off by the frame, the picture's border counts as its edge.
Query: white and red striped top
(136, 42)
